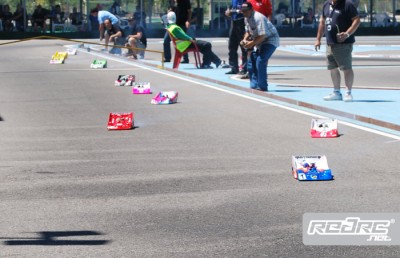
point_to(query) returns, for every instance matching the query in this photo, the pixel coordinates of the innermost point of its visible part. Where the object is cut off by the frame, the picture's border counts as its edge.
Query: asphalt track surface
(209, 176)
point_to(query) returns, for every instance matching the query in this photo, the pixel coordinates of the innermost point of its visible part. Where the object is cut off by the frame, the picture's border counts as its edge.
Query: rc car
(141, 88)
(58, 58)
(71, 51)
(99, 64)
(125, 80)
(165, 97)
(324, 128)
(120, 121)
(311, 168)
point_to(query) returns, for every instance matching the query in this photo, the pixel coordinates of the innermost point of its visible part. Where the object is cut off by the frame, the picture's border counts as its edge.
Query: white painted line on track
(308, 113)
(395, 141)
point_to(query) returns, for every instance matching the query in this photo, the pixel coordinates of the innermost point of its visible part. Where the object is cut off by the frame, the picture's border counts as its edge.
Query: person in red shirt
(262, 6)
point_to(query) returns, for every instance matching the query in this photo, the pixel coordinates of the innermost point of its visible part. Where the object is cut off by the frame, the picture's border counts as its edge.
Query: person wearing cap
(102, 16)
(184, 41)
(339, 21)
(264, 7)
(136, 39)
(261, 35)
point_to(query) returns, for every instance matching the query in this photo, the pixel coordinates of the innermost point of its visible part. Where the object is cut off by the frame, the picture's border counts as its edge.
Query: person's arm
(251, 43)
(101, 30)
(320, 33)
(187, 23)
(246, 36)
(17, 15)
(354, 26)
(228, 12)
(138, 35)
(116, 35)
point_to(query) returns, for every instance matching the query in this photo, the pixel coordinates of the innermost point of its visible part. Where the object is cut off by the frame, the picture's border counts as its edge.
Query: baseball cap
(171, 17)
(246, 6)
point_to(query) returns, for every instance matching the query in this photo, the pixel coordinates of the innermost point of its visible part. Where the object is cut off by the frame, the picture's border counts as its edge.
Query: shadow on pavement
(50, 238)
(372, 100)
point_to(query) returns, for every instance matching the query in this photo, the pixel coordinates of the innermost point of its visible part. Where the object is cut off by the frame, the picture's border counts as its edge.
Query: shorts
(139, 43)
(339, 56)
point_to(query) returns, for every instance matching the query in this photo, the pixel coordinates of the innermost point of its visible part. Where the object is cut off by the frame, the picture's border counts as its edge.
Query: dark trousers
(167, 47)
(236, 34)
(208, 55)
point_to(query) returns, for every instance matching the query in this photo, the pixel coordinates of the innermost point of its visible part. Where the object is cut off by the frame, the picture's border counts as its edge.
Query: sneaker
(225, 65)
(184, 61)
(242, 72)
(334, 96)
(206, 67)
(245, 76)
(348, 97)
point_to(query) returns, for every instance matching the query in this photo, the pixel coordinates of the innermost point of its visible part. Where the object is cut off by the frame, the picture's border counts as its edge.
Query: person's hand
(317, 45)
(228, 12)
(248, 44)
(342, 36)
(187, 24)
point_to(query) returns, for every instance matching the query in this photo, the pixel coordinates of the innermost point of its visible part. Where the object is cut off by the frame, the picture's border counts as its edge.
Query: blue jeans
(257, 66)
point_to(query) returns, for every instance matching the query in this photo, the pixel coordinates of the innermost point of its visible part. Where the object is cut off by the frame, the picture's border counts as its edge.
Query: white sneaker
(348, 97)
(334, 96)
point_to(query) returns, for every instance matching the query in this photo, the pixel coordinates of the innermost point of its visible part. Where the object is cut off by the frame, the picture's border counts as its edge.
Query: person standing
(236, 33)
(183, 18)
(39, 17)
(339, 21)
(140, 16)
(261, 35)
(19, 18)
(6, 18)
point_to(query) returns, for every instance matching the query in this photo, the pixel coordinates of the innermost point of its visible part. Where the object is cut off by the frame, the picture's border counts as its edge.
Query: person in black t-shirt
(39, 17)
(136, 39)
(6, 18)
(113, 34)
(339, 21)
(19, 18)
